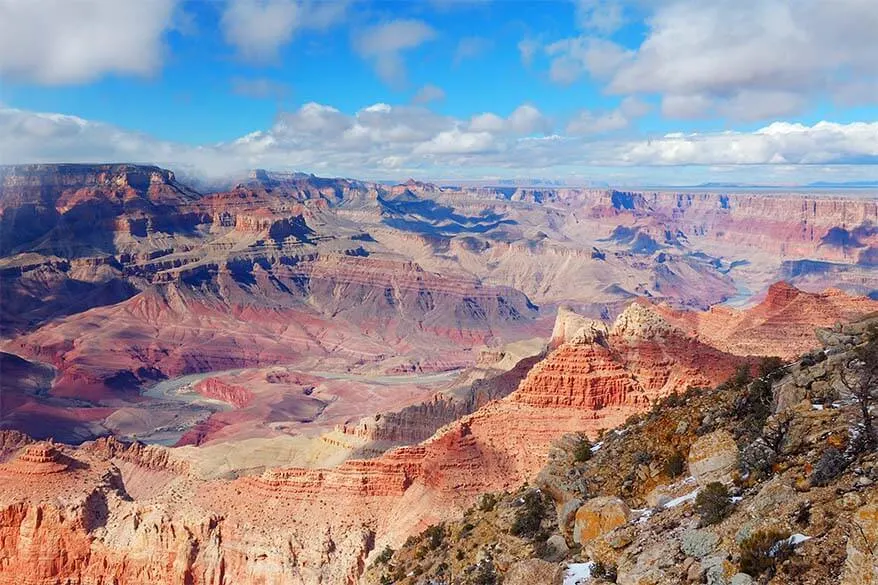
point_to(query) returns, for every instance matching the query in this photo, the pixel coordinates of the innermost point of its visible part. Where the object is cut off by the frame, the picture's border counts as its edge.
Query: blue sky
(780, 91)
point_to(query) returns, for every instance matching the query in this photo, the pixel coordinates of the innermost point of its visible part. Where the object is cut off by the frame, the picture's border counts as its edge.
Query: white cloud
(384, 44)
(777, 143)
(457, 142)
(258, 28)
(602, 16)
(525, 119)
(744, 59)
(575, 57)
(587, 122)
(56, 42)
(429, 93)
(385, 140)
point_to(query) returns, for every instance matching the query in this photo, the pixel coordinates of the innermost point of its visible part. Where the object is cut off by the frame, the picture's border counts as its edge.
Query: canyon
(271, 381)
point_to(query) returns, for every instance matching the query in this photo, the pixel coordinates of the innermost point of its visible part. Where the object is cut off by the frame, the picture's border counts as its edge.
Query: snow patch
(797, 538)
(578, 573)
(597, 447)
(682, 499)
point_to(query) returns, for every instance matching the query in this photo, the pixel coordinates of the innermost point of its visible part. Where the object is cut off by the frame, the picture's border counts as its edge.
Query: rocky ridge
(628, 508)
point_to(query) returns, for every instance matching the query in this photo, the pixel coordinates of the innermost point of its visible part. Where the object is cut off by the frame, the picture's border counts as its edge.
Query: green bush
(763, 551)
(435, 535)
(530, 515)
(741, 377)
(385, 556)
(582, 451)
(713, 503)
(770, 367)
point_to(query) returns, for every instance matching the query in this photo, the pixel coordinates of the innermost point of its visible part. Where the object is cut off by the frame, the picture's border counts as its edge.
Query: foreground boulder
(861, 566)
(599, 516)
(713, 457)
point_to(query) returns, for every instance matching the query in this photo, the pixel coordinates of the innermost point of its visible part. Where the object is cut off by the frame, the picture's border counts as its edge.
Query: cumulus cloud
(573, 58)
(429, 93)
(383, 45)
(58, 42)
(258, 28)
(525, 119)
(383, 140)
(777, 144)
(745, 59)
(587, 122)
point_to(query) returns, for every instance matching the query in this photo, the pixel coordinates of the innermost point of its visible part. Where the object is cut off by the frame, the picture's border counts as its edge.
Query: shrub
(385, 556)
(604, 571)
(487, 503)
(763, 551)
(435, 535)
(770, 367)
(485, 574)
(740, 378)
(530, 515)
(830, 466)
(582, 451)
(675, 464)
(713, 503)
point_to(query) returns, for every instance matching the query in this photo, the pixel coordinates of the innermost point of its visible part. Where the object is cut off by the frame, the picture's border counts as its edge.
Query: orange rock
(599, 516)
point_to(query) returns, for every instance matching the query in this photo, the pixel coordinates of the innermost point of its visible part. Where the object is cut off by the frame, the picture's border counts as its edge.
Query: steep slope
(798, 506)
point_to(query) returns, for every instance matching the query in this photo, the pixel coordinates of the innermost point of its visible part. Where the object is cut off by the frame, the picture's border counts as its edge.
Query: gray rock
(741, 579)
(713, 570)
(557, 548)
(698, 543)
(863, 481)
(695, 573)
(568, 512)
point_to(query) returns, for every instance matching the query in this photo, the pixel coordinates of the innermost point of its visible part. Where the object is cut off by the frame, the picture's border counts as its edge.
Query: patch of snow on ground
(578, 573)
(682, 499)
(797, 539)
(643, 514)
(817, 406)
(597, 447)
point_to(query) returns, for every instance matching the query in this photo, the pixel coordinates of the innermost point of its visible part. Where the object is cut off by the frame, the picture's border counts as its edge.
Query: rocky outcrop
(861, 565)
(783, 324)
(37, 459)
(599, 516)
(713, 457)
(219, 390)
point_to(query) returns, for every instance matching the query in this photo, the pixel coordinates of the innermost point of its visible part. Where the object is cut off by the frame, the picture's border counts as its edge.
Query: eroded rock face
(861, 565)
(713, 457)
(532, 571)
(783, 324)
(599, 516)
